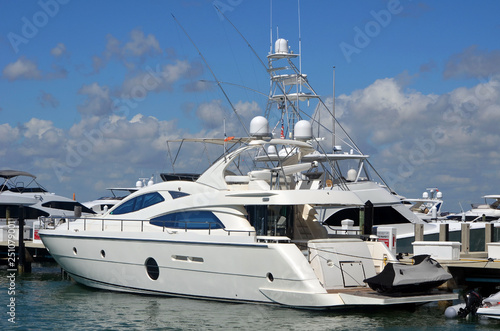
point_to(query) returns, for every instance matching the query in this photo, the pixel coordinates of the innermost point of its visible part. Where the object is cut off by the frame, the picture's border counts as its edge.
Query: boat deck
(368, 292)
(367, 296)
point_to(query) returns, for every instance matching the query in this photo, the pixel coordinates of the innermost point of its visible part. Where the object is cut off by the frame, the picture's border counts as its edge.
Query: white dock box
(439, 250)
(493, 250)
(387, 235)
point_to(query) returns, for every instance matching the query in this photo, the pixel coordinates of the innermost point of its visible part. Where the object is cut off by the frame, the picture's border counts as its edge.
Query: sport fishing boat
(344, 167)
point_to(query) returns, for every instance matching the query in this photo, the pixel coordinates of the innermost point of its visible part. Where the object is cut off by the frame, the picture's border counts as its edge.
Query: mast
(271, 29)
(300, 47)
(333, 112)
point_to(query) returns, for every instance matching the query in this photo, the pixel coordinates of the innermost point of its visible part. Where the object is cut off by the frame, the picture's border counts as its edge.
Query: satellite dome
(303, 130)
(271, 150)
(259, 127)
(281, 46)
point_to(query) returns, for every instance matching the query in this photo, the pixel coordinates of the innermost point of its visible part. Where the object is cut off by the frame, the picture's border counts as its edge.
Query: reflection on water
(44, 300)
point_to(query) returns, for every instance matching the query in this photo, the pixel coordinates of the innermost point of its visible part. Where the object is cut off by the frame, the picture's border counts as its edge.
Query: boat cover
(425, 274)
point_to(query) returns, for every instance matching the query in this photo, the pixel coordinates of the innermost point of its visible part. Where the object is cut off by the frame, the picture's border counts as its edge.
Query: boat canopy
(7, 174)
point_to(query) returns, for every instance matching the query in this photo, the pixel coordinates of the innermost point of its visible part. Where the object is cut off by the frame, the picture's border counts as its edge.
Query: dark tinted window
(67, 205)
(138, 203)
(177, 194)
(189, 220)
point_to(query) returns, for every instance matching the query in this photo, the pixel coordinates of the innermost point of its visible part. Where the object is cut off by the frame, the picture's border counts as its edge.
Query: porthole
(103, 253)
(270, 277)
(75, 251)
(152, 268)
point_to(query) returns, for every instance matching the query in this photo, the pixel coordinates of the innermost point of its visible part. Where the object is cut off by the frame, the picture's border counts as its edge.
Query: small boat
(488, 211)
(475, 305)
(490, 307)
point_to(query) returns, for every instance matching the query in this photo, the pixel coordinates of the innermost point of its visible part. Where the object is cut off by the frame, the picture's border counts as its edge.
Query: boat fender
(452, 311)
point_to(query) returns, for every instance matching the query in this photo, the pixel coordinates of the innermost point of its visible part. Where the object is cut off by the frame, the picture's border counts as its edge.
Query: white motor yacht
(488, 211)
(253, 237)
(20, 188)
(250, 231)
(427, 208)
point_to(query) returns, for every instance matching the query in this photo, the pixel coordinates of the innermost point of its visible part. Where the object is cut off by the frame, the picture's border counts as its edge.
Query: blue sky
(91, 90)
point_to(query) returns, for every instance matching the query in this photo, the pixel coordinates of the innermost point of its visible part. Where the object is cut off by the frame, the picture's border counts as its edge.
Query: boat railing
(53, 222)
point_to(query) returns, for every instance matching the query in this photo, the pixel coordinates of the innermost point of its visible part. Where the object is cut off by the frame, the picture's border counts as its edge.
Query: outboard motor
(473, 301)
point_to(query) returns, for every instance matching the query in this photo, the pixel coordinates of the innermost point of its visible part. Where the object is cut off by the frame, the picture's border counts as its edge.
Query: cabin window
(138, 203)
(152, 268)
(177, 194)
(196, 220)
(271, 220)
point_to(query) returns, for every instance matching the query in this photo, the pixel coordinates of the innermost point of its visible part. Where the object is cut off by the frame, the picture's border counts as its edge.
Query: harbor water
(45, 300)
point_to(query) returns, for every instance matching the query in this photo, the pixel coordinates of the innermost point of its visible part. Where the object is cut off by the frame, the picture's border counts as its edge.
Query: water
(46, 301)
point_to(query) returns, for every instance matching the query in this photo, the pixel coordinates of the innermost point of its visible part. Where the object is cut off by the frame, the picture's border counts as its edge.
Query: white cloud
(473, 63)
(59, 50)
(47, 100)
(8, 136)
(22, 69)
(211, 114)
(140, 45)
(157, 79)
(133, 52)
(98, 101)
(415, 140)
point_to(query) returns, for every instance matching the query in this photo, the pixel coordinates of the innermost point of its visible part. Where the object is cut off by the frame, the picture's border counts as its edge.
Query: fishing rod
(213, 74)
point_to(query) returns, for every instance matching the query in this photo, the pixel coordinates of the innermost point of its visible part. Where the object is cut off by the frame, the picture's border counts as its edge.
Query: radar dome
(259, 127)
(281, 46)
(271, 150)
(425, 195)
(303, 130)
(351, 175)
(439, 195)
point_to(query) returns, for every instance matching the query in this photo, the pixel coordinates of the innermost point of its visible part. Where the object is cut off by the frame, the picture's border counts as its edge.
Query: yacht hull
(257, 272)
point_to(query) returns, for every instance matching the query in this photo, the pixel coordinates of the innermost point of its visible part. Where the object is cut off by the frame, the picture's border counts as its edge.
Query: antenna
(270, 29)
(333, 111)
(300, 49)
(213, 74)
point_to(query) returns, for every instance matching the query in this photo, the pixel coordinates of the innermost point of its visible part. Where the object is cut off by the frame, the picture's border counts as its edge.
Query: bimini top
(7, 174)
